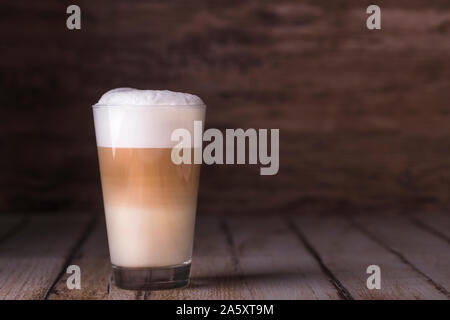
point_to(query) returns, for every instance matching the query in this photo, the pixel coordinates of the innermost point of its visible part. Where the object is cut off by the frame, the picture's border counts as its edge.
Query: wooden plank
(429, 254)
(239, 258)
(31, 259)
(96, 274)
(275, 264)
(215, 273)
(437, 222)
(347, 252)
(212, 274)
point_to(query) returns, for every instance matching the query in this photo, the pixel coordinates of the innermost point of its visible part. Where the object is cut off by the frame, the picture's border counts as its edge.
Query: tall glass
(150, 202)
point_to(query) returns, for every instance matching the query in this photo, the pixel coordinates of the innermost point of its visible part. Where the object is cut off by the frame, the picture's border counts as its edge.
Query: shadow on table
(275, 278)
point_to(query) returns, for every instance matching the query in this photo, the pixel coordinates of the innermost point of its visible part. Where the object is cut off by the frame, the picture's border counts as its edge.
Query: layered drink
(150, 202)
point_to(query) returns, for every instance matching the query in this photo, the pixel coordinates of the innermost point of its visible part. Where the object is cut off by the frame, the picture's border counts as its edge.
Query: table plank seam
(140, 294)
(398, 254)
(108, 286)
(429, 229)
(72, 254)
(340, 288)
(224, 227)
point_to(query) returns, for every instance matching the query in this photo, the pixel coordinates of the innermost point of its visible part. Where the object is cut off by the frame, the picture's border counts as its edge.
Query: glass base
(158, 278)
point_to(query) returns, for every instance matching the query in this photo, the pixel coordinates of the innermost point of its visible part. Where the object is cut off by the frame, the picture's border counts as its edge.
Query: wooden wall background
(363, 115)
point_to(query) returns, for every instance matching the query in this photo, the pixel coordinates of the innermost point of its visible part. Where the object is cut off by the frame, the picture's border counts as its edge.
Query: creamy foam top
(136, 97)
(131, 118)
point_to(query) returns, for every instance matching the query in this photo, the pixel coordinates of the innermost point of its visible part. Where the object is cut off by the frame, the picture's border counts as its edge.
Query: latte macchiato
(150, 202)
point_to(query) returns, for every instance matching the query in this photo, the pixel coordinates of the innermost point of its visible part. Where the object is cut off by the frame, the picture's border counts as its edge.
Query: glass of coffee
(150, 202)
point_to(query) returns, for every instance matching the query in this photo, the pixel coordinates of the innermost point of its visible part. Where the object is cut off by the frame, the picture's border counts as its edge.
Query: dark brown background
(363, 115)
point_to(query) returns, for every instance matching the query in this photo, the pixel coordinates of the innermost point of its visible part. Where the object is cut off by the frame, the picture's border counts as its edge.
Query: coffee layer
(150, 206)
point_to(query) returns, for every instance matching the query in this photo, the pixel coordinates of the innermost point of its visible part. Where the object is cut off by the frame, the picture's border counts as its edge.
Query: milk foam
(132, 118)
(136, 97)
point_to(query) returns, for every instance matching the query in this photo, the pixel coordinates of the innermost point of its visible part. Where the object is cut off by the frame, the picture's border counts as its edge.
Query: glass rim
(149, 105)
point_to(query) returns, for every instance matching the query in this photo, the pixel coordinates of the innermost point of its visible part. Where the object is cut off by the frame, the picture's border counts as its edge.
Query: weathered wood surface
(93, 260)
(274, 264)
(250, 257)
(425, 252)
(363, 114)
(437, 222)
(32, 259)
(346, 251)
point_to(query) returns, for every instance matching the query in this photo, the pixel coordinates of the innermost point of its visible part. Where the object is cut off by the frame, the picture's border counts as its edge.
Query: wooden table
(253, 257)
